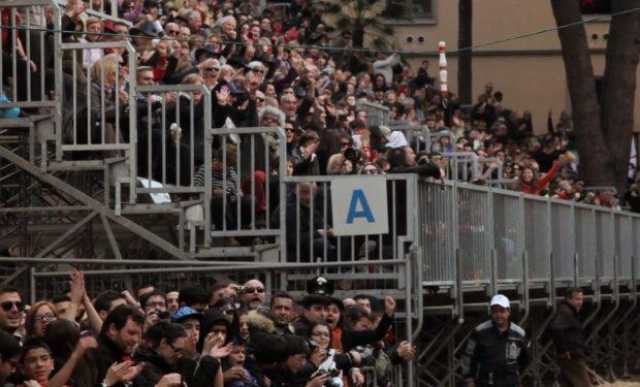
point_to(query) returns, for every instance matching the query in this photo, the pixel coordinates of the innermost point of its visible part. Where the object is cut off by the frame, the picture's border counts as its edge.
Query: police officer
(497, 350)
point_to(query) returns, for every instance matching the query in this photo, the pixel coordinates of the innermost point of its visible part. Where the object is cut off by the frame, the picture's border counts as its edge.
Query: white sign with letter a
(359, 206)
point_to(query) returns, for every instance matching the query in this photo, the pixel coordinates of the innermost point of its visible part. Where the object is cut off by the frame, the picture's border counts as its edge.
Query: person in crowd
(569, 339)
(497, 350)
(38, 318)
(11, 310)
(282, 312)
(172, 302)
(191, 321)
(120, 335)
(253, 294)
(9, 355)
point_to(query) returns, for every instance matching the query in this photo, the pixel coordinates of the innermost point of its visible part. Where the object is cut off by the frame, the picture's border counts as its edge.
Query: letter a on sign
(359, 205)
(359, 200)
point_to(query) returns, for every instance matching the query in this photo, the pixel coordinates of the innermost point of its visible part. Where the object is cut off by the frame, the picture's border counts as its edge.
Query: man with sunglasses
(253, 294)
(11, 310)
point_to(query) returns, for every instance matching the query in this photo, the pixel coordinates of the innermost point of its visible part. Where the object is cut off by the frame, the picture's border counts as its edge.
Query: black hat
(320, 285)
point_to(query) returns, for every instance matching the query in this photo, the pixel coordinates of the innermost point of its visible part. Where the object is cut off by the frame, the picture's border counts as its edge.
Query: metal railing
(246, 194)
(29, 62)
(100, 102)
(308, 210)
(172, 133)
(493, 230)
(376, 114)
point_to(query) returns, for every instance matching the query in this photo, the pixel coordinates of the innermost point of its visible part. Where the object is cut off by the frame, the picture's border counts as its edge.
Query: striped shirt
(232, 187)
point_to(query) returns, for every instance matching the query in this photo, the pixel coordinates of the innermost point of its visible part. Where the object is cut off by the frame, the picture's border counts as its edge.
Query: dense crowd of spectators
(277, 65)
(230, 335)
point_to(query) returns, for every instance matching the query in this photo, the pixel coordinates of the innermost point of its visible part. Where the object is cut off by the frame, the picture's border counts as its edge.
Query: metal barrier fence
(496, 233)
(376, 114)
(29, 54)
(173, 136)
(101, 98)
(308, 209)
(245, 198)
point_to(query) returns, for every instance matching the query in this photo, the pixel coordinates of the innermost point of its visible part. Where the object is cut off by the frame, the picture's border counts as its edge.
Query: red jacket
(536, 187)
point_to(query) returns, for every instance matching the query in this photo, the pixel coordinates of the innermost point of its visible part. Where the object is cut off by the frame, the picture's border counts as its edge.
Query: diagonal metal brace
(94, 204)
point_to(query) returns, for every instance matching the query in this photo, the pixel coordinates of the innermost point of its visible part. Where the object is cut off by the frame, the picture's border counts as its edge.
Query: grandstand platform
(90, 188)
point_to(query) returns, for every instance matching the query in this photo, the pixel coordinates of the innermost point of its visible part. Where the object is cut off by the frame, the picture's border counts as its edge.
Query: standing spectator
(9, 355)
(11, 310)
(568, 336)
(121, 333)
(253, 294)
(497, 350)
(282, 310)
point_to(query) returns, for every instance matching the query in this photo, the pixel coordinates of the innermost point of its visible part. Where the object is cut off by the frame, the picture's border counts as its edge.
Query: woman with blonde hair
(339, 165)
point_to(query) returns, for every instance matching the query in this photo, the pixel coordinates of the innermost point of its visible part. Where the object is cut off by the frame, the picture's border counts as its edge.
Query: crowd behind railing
(264, 67)
(229, 335)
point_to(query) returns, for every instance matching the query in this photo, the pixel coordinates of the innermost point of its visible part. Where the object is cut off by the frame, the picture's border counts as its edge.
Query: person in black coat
(163, 352)
(497, 350)
(568, 337)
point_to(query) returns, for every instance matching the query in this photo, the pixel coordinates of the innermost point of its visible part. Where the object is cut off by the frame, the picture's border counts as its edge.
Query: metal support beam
(112, 239)
(94, 204)
(53, 245)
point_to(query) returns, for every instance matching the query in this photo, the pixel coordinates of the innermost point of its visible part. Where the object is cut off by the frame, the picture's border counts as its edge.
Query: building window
(409, 9)
(590, 7)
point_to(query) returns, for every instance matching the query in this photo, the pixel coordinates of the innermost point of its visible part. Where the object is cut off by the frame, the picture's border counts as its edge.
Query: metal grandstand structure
(78, 179)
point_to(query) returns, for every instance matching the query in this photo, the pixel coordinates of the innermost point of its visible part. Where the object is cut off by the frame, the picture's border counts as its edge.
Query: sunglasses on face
(254, 290)
(8, 305)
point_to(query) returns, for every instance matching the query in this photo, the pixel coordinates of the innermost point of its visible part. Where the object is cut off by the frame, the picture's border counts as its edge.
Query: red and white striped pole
(442, 62)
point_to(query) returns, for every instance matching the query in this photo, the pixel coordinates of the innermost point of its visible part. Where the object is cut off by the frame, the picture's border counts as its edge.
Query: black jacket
(567, 331)
(351, 339)
(199, 373)
(154, 367)
(493, 358)
(105, 355)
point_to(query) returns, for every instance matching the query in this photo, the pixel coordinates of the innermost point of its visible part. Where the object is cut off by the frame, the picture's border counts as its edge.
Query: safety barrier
(376, 114)
(246, 197)
(100, 101)
(493, 230)
(172, 134)
(29, 62)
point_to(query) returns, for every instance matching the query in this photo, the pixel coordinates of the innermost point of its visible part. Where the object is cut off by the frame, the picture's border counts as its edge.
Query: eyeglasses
(254, 290)
(8, 305)
(45, 317)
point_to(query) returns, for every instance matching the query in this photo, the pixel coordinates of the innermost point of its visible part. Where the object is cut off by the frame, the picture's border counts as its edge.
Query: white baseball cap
(501, 301)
